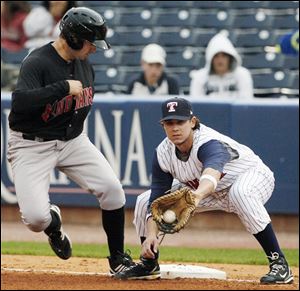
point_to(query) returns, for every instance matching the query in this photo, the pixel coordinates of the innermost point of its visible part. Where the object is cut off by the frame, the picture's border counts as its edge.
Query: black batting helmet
(81, 23)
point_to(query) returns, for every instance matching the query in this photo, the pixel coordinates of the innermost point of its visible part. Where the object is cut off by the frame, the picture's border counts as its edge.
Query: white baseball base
(172, 271)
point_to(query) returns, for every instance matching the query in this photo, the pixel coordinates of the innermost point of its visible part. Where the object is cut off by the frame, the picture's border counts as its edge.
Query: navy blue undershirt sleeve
(215, 154)
(161, 181)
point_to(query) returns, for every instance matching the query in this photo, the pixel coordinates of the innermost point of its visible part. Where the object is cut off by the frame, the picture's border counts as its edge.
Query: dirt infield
(50, 273)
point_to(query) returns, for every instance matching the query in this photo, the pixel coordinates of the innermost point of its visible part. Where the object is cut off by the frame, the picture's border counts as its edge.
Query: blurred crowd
(24, 28)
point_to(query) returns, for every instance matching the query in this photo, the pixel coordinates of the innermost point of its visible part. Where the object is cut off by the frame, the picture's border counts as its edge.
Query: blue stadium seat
(184, 58)
(211, 4)
(277, 79)
(15, 58)
(173, 4)
(253, 39)
(259, 20)
(286, 22)
(263, 60)
(201, 39)
(178, 18)
(183, 77)
(282, 4)
(141, 18)
(101, 3)
(295, 81)
(247, 4)
(131, 58)
(109, 57)
(106, 77)
(129, 76)
(220, 20)
(134, 37)
(183, 37)
(136, 3)
(291, 62)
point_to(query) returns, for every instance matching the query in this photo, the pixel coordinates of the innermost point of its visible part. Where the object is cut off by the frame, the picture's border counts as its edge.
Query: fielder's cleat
(120, 262)
(58, 240)
(280, 273)
(147, 269)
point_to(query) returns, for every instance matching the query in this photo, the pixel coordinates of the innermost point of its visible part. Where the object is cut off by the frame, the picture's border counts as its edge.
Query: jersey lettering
(65, 105)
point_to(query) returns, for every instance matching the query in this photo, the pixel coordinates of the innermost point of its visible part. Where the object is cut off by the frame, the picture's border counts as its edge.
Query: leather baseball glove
(181, 201)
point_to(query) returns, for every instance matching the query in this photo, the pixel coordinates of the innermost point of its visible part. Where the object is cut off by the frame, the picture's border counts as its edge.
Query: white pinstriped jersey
(189, 172)
(246, 183)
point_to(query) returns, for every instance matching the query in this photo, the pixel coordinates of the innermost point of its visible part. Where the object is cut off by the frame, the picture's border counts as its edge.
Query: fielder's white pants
(246, 197)
(32, 163)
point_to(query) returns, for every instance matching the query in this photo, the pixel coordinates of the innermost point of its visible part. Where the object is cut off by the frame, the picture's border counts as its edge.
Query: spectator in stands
(13, 14)
(223, 75)
(289, 44)
(153, 80)
(42, 23)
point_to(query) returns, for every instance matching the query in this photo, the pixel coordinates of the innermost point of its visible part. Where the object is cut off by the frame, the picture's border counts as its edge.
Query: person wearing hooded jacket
(223, 75)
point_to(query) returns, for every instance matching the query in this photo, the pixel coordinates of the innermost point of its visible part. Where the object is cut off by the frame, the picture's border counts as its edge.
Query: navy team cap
(176, 108)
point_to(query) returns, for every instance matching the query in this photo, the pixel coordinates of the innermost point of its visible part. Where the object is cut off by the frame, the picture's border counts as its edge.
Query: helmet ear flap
(73, 41)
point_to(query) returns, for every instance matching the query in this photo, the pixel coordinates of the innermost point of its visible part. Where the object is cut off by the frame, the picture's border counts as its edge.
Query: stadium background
(183, 28)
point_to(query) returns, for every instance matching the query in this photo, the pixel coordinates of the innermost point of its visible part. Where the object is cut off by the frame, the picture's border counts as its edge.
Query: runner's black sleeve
(31, 93)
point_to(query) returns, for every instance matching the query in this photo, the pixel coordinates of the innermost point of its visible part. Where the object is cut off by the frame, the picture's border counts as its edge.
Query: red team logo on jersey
(171, 106)
(65, 104)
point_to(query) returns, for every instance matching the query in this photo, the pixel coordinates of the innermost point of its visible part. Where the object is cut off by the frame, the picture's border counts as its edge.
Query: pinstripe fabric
(244, 189)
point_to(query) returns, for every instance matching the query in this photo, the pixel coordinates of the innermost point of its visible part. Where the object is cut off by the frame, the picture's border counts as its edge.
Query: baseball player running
(223, 175)
(54, 95)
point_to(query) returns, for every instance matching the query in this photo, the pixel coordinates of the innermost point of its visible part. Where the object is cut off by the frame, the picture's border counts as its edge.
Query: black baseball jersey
(41, 104)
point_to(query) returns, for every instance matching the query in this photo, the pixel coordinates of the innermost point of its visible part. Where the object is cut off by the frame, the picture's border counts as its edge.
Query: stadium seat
(129, 76)
(173, 4)
(286, 22)
(178, 18)
(93, 4)
(128, 4)
(277, 79)
(106, 77)
(15, 58)
(295, 81)
(263, 60)
(109, 57)
(131, 58)
(185, 58)
(291, 62)
(141, 18)
(134, 37)
(253, 39)
(201, 39)
(247, 4)
(183, 77)
(181, 37)
(282, 4)
(259, 20)
(211, 4)
(220, 20)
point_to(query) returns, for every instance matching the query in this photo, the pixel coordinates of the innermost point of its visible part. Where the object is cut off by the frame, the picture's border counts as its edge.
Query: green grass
(172, 254)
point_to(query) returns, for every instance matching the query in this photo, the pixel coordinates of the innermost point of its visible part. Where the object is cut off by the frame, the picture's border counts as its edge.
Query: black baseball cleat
(280, 273)
(120, 262)
(58, 240)
(147, 269)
